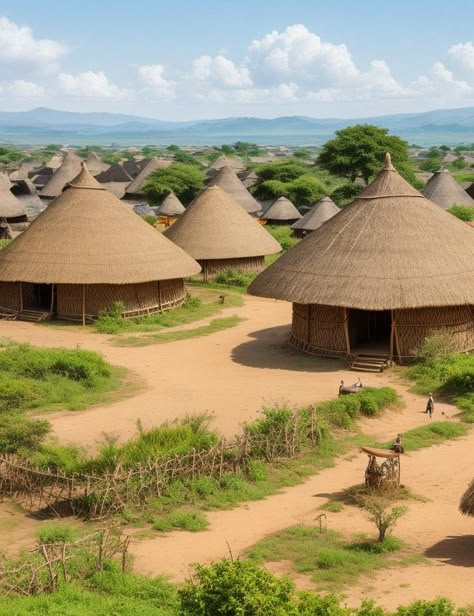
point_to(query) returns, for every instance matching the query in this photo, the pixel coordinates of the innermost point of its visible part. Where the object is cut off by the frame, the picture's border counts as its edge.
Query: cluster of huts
(383, 272)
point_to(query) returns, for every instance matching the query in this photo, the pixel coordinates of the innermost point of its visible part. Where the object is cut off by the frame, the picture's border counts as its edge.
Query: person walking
(341, 387)
(430, 405)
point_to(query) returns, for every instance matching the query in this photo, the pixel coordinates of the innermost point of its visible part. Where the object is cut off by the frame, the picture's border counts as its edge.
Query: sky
(196, 59)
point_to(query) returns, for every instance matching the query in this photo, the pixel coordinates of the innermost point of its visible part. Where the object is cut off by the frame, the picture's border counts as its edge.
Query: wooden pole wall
(346, 333)
(83, 304)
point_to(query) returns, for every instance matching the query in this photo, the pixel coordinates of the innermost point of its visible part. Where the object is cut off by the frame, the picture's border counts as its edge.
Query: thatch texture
(131, 167)
(115, 173)
(95, 165)
(171, 206)
(221, 162)
(116, 188)
(443, 190)
(136, 186)
(249, 179)
(215, 228)
(10, 207)
(226, 179)
(281, 211)
(321, 211)
(466, 506)
(390, 249)
(69, 169)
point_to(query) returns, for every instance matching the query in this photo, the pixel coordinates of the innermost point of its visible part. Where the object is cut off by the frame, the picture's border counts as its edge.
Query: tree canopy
(185, 181)
(283, 170)
(358, 152)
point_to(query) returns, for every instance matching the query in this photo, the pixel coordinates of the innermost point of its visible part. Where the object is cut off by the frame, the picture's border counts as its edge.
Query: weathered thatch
(24, 170)
(69, 169)
(171, 207)
(221, 162)
(249, 179)
(40, 180)
(10, 207)
(23, 187)
(321, 211)
(226, 179)
(219, 234)
(95, 251)
(136, 186)
(443, 190)
(95, 165)
(116, 188)
(466, 506)
(470, 190)
(115, 173)
(131, 168)
(391, 260)
(281, 212)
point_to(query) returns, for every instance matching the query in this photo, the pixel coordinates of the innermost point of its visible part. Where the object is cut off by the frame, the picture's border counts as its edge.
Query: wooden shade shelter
(383, 468)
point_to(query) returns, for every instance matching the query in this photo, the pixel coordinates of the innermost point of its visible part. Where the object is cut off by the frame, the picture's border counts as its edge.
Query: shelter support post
(346, 333)
(20, 289)
(397, 341)
(52, 298)
(83, 304)
(392, 335)
(159, 295)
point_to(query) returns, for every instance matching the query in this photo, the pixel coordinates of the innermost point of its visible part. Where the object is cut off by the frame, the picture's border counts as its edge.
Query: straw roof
(131, 168)
(282, 209)
(115, 173)
(70, 167)
(214, 226)
(10, 206)
(95, 165)
(443, 190)
(116, 188)
(222, 162)
(466, 505)
(87, 236)
(321, 211)
(226, 179)
(136, 186)
(171, 206)
(390, 248)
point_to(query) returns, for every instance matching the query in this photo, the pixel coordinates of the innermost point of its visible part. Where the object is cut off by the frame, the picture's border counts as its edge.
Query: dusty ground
(233, 373)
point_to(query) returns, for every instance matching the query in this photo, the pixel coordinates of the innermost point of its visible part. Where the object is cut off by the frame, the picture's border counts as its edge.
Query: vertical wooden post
(392, 335)
(52, 297)
(83, 304)
(308, 323)
(21, 296)
(397, 341)
(346, 333)
(205, 271)
(159, 295)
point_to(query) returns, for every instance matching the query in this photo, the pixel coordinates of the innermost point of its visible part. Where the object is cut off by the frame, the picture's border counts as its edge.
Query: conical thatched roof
(222, 162)
(69, 169)
(115, 173)
(281, 210)
(321, 211)
(466, 505)
(131, 168)
(214, 226)
(390, 248)
(226, 179)
(443, 190)
(95, 165)
(171, 206)
(10, 206)
(136, 186)
(87, 236)
(470, 190)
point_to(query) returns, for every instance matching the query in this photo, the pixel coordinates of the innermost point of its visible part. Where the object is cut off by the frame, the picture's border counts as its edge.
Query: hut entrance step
(370, 362)
(34, 316)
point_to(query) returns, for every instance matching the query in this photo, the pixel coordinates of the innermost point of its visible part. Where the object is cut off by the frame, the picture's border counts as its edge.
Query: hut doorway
(370, 329)
(42, 297)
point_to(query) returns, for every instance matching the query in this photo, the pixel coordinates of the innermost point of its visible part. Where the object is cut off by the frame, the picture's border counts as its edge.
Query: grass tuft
(193, 521)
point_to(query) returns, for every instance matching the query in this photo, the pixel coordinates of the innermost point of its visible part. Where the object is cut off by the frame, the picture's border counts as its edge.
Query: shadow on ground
(269, 348)
(454, 550)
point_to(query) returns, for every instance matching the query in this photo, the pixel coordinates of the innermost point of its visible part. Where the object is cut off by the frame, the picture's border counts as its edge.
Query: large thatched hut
(171, 207)
(115, 173)
(281, 212)
(135, 188)
(70, 168)
(380, 276)
(11, 208)
(219, 234)
(321, 211)
(466, 505)
(443, 190)
(226, 179)
(86, 251)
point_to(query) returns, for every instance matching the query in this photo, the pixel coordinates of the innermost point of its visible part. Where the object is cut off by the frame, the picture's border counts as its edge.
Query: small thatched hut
(466, 505)
(321, 211)
(70, 168)
(380, 276)
(171, 207)
(11, 208)
(221, 162)
(226, 179)
(95, 165)
(249, 179)
(443, 190)
(281, 212)
(135, 188)
(219, 234)
(86, 251)
(115, 173)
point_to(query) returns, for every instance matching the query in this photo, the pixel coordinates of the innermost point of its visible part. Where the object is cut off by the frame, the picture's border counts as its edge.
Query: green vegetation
(332, 507)
(379, 510)
(234, 278)
(283, 235)
(185, 181)
(463, 213)
(345, 194)
(10, 155)
(192, 521)
(432, 434)
(4, 243)
(21, 433)
(57, 533)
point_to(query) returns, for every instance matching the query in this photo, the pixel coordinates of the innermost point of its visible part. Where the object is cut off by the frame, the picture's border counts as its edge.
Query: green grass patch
(431, 434)
(216, 325)
(463, 177)
(235, 278)
(461, 212)
(332, 507)
(4, 243)
(283, 235)
(193, 521)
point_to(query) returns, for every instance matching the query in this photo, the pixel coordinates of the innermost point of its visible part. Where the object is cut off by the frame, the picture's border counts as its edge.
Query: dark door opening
(370, 329)
(42, 295)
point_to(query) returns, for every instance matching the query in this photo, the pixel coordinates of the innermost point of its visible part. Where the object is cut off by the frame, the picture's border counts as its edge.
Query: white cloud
(442, 83)
(220, 73)
(90, 84)
(462, 56)
(155, 84)
(18, 45)
(22, 89)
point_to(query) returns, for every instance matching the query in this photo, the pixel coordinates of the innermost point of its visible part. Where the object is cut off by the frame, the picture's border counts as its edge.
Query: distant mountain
(40, 125)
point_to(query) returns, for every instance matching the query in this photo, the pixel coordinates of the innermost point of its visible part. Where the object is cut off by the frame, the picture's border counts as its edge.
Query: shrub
(16, 393)
(283, 235)
(463, 213)
(18, 432)
(57, 533)
(378, 512)
(192, 521)
(345, 194)
(234, 278)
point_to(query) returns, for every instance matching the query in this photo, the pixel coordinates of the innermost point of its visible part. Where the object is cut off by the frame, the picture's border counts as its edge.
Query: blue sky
(205, 58)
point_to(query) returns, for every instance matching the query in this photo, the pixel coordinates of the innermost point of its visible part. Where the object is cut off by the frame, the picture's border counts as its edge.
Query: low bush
(234, 278)
(57, 533)
(431, 434)
(370, 401)
(20, 433)
(192, 521)
(283, 235)
(463, 213)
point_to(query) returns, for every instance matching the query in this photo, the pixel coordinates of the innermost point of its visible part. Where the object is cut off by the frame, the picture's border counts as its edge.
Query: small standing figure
(341, 387)
(397, 446)
(430, 405)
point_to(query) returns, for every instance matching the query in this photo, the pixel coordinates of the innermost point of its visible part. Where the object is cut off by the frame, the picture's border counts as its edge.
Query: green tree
(345, 194)
(358, 152)
(270, 189)
(184, 180)
(306, 190)
(283, 171)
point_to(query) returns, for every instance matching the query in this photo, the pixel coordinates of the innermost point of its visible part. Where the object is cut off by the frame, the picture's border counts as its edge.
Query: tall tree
(185, 181)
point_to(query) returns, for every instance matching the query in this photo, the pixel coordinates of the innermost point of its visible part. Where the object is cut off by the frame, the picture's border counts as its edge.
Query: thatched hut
(443, 190)
(135, 188)
(219, 234)
(321, 211)
(226, 179)
(380, 276)
(249, 179)
(11, 208)
(86, 251)
(70, 168)
(466, 506)
(171, 207)
(470, 189)
(281, 212)
(95, 165)
(115, 173)
(221, 162)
